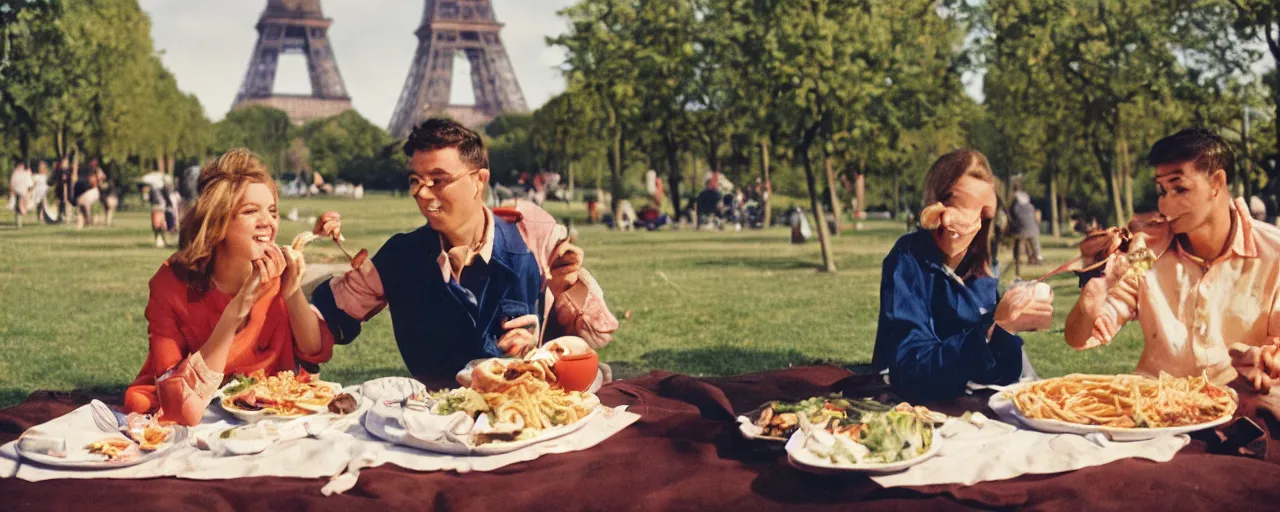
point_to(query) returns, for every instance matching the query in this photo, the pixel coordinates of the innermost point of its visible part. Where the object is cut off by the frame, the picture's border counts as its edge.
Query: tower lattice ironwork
(294, 26)
(450, 26)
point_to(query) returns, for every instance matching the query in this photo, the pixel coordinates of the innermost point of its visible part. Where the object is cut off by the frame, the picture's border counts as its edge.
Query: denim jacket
(932, 335)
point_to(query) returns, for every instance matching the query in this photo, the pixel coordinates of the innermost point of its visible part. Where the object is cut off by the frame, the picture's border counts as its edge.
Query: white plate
(753, 432)
(252, 416)
(78, 457)
(386, 422)
(805, 460)
(1008, 411)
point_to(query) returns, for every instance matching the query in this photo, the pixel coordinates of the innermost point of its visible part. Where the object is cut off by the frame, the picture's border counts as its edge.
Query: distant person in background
(1025, 228)
(188, 189)
(540, 188)
(171, 201)
(593, 207)
(19, 166)
(40, 192)
(626, 220)
(106, 191)
(800, 230)
(20, 184)
(86, 194)
(318, 185)
(653, 185)
(62, 179)
(155, 199)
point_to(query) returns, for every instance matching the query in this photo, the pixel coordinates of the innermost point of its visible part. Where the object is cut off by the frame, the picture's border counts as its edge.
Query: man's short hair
(1209, 151)
(439, 133)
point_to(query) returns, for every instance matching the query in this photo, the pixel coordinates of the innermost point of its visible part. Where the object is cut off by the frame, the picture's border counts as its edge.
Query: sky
(207, 45)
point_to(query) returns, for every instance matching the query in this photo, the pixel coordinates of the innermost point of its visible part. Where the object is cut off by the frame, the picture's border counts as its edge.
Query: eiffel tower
(294, 26)
(450, 26)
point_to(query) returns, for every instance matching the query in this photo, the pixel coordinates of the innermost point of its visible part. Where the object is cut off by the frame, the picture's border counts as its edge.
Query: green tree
(600, 46)
(264, 130)
(511, 149)
(562, 135)
(1260, 19)
(335, 142)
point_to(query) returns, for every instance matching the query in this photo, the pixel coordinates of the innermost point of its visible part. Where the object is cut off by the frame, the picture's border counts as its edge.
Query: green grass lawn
(71, 302)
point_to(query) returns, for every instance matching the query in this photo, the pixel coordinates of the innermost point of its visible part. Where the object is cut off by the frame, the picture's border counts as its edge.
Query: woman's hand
(1018, 311)
(329, 225)
(295, 268)
(249, 292)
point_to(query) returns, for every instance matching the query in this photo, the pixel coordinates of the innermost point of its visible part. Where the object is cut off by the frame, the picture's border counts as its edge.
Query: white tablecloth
(341, 451)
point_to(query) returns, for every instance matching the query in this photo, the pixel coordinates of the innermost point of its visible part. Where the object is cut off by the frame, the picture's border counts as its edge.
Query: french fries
(1125, 401)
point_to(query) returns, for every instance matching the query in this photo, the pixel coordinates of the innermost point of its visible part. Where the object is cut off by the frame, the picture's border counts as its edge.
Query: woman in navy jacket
(941, 322)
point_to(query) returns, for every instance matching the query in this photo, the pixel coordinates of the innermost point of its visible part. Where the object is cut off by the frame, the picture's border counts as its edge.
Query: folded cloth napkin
(999, 451)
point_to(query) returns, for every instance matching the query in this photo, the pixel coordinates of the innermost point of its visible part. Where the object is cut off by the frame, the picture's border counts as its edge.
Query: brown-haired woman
(229, 301)
(940, 324)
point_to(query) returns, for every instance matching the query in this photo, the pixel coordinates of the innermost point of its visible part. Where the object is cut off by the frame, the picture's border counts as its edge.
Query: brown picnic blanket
(685, 453)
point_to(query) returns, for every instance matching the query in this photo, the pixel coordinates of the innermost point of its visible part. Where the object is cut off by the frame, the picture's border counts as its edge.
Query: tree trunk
(897, 194)
(828, 263)
(1117, 204)
(1126, 177)
(1054, 218)
(61, 143)
(860, 195)
(1106, 158)
(24, 146)
(571, 181)
(675, 174)
(767, 186)
(616, 168)
(833, 190)
(699, 177)
(1066, 212)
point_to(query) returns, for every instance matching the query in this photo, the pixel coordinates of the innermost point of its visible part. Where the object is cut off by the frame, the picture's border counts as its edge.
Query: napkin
(999, 451)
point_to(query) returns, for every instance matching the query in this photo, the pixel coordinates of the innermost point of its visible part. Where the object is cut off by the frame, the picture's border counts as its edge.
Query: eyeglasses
(417, 183)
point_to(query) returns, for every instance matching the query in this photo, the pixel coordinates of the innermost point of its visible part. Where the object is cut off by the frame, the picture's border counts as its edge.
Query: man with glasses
(473, 283)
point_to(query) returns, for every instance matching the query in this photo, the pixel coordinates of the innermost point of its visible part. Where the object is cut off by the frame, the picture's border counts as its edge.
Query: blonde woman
(229, 301)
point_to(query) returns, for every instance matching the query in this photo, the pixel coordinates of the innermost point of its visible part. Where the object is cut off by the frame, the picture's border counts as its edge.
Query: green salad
(449, 401)
(878, 437)
(242, 383)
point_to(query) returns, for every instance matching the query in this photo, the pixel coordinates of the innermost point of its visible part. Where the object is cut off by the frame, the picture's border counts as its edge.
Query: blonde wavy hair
(204, 227)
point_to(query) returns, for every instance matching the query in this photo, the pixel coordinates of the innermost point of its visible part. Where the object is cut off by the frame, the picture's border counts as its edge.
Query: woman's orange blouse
(174, 379)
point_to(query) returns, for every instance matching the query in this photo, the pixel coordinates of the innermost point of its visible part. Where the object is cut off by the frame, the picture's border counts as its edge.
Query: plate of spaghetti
(1124, 407)
(282, 396)
(510, 404)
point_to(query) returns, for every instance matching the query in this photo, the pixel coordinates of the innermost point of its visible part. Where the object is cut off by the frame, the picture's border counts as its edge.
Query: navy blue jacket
(437, 326)
(932, 335)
